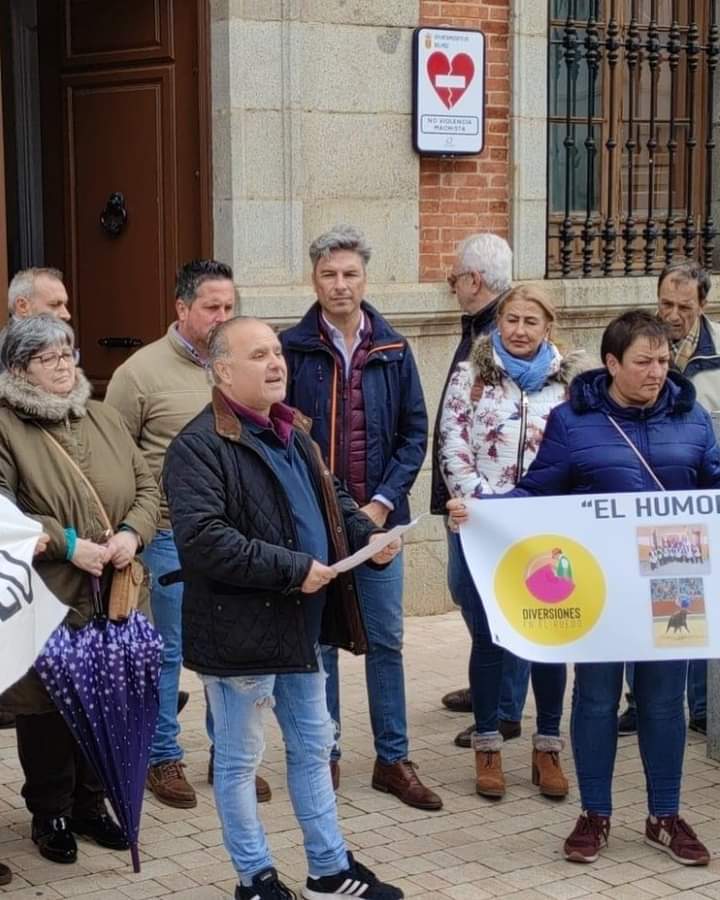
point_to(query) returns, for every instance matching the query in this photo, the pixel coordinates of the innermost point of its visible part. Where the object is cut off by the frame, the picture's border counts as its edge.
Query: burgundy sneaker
(588, 837)
(674, 836)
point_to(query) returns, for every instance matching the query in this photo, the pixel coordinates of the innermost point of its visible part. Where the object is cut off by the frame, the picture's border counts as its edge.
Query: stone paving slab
(471, 850)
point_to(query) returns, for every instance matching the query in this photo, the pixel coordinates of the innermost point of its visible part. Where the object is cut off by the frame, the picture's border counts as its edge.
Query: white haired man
(480, 276)
(38, 290)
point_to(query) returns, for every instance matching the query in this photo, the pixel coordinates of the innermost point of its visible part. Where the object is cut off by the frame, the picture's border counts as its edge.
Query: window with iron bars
(631, 102)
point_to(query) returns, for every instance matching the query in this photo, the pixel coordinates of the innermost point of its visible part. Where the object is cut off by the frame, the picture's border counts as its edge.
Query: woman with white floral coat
(494, 415)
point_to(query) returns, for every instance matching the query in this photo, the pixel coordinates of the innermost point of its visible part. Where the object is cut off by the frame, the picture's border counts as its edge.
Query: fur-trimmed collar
(487, 368)
(30, 402)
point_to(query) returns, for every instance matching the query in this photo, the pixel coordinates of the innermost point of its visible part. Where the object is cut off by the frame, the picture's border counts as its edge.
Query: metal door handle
(114, 217)
(124, 343)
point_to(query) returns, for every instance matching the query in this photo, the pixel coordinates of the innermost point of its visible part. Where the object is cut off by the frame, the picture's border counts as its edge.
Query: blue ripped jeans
(238, 706)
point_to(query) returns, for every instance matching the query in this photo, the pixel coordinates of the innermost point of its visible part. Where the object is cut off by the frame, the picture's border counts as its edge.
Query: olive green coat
(43, 484)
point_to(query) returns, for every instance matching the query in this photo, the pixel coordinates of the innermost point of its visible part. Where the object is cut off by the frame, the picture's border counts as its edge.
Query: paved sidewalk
(471, 850)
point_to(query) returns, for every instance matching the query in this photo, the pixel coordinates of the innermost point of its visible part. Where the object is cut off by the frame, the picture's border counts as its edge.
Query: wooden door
(129, 107)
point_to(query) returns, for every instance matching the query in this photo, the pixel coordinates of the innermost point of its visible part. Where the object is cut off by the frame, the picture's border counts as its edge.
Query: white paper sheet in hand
(375, 546)
(29, 612)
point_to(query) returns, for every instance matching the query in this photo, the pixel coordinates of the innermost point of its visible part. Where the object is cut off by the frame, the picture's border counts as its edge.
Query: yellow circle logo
(550, 589)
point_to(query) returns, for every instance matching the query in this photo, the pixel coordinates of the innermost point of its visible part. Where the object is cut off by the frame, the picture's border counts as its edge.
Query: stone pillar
(713, 709)
(528, 130)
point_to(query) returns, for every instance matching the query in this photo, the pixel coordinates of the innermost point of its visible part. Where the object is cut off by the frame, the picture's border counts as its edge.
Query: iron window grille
(631, 97)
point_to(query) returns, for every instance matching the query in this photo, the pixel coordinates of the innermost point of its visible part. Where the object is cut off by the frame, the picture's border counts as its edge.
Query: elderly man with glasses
(682, 293)
(480, 278)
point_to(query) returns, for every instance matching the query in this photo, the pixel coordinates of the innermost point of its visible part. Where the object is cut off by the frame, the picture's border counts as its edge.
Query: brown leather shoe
(5, 874)
(458, 701)
(263, 793)
(489, 778)
(167, 781)
(401, 780)
(335, 773)
(546, 773)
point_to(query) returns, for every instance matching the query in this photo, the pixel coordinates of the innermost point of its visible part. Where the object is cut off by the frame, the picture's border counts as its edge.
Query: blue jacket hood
(589, 392)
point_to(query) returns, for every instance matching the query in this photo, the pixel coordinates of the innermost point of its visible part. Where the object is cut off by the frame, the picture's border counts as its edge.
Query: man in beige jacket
(158, 390)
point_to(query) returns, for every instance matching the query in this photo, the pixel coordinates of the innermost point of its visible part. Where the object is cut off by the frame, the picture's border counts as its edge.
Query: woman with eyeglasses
(491, 426)
(45, 402)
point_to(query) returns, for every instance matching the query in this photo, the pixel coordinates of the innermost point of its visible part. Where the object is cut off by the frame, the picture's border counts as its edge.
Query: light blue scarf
(529, 375)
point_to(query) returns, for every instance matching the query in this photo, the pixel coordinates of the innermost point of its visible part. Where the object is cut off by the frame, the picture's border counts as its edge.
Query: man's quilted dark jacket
(236, 538)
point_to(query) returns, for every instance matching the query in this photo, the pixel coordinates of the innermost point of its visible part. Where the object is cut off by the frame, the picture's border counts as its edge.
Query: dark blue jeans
(514, 687)
(696, 686)
(380, 592)
(486, 658)
(659, 694)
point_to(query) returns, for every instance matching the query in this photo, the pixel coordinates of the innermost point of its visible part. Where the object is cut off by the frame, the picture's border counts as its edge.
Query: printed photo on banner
(678, 612)
(680, 549)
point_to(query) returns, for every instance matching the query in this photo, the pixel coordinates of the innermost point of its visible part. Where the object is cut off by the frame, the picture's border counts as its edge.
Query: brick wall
(471, 193)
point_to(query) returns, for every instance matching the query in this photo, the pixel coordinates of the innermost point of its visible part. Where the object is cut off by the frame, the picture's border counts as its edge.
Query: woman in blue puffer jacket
(631, 426)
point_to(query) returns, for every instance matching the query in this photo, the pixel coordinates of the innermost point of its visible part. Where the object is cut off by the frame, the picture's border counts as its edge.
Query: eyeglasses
(53, 360)
(454, 277)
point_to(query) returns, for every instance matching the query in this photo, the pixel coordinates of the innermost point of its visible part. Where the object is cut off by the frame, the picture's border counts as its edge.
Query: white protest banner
(599, 578)
(29, 613)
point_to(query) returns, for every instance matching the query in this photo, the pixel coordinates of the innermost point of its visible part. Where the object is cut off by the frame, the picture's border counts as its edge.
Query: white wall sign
(599, 578)
(448, 91)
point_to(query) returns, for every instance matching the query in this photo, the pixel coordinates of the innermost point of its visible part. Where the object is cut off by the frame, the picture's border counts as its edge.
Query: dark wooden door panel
(125, 108)
(120, 137)
(111, 31)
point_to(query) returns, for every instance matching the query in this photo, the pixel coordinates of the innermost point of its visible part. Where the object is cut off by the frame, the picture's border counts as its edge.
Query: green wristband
(70, 542)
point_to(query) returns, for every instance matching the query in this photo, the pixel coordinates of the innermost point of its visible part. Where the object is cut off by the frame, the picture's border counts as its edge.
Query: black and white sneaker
(265, 886)
(355, 881)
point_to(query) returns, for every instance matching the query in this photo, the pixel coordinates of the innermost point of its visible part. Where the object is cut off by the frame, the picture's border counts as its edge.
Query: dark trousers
(59, 781)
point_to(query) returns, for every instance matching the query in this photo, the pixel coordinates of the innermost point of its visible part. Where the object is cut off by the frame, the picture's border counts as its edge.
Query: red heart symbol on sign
(450, 78)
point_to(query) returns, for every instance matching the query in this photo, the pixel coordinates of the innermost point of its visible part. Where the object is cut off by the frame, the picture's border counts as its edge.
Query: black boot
(101, 829)
(54, 839)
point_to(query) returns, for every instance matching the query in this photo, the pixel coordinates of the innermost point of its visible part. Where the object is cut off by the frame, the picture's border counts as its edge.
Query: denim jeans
(238, 706)
(487, 658)
(696, 687)
(160, 556)
(659, 693)
(513, 687)
(380, 592)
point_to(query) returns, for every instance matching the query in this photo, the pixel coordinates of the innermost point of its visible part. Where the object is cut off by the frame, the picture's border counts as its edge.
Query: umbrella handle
(97, 598)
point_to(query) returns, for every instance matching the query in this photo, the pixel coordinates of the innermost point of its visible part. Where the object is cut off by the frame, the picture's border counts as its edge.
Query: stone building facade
(311, 125)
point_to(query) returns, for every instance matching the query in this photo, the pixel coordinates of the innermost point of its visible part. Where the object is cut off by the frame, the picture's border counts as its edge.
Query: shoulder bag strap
(636, 452)
(83, 476)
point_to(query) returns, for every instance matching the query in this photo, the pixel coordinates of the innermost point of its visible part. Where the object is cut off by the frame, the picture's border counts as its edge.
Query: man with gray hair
(355, 376)
(481, 275)
(38, 290)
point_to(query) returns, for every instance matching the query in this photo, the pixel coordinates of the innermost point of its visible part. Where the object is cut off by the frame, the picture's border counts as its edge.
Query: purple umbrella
(104, 680)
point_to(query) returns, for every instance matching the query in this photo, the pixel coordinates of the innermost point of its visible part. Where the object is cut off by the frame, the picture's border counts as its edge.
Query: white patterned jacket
(490, 429)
